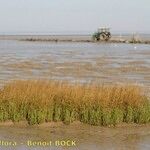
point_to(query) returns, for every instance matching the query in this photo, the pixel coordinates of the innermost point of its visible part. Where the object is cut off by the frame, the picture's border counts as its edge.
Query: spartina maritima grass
(47, 101)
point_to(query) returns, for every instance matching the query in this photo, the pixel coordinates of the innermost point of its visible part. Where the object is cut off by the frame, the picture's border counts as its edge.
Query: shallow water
(84, 62)
(86, 137)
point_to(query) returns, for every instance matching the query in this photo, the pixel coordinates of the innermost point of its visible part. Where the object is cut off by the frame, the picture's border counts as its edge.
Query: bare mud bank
(86, 137)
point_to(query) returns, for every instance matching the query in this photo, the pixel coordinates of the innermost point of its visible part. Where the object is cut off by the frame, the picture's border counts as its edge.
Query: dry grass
(45, 101)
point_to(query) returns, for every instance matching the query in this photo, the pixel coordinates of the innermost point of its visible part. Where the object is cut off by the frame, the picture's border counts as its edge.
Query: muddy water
(84, 62)
(85, 137)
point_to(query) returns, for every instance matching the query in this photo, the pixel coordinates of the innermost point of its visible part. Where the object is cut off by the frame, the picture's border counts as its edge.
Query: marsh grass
(47, 101)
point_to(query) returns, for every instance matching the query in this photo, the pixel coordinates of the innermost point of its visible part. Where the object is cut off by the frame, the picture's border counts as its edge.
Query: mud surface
(82, 62)
(76, 62)
(86, 137)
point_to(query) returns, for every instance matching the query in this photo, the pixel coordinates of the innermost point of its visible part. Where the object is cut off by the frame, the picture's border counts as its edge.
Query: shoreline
(86, 41)
(127, 39)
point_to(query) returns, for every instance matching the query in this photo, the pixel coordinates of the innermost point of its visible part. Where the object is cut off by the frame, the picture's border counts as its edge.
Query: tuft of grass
(47, 101)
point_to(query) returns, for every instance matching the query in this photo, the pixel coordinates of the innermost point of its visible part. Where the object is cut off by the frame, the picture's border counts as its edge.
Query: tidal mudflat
(83, 63)
(86, 137)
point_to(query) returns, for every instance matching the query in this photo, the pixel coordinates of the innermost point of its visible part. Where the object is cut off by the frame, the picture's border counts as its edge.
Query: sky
(74, 16)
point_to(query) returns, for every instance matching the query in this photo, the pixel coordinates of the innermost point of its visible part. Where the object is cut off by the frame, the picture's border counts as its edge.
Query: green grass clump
(43, 101)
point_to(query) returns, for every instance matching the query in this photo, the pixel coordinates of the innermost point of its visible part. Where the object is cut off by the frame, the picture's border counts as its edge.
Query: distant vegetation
(47, 101)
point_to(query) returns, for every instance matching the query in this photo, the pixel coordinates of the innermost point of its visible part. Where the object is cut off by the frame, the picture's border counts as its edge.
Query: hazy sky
(74, 15)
